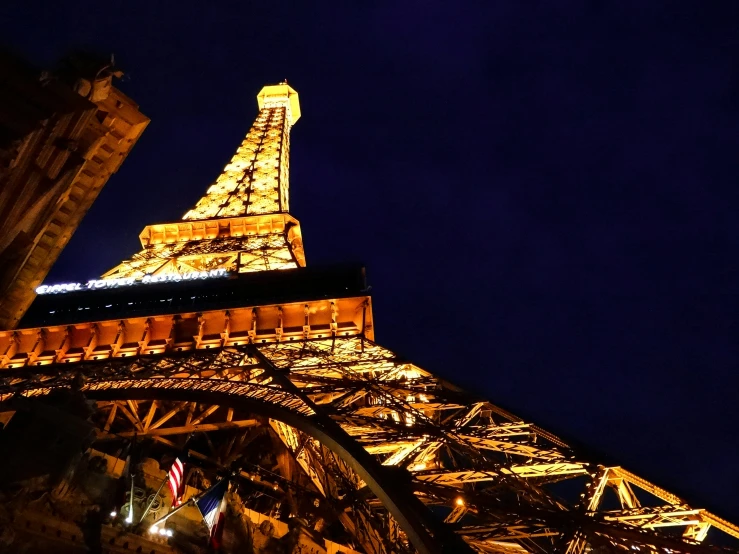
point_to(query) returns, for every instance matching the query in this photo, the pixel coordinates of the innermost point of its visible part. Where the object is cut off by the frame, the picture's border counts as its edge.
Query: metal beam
(182, 429)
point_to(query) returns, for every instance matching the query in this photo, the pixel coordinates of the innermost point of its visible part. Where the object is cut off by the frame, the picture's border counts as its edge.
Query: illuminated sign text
(96, 284)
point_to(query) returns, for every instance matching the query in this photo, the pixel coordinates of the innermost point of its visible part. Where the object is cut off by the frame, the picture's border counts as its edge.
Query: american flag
(176, 473)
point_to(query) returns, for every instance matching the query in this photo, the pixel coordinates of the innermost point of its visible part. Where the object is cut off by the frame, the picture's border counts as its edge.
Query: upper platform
(279, 95)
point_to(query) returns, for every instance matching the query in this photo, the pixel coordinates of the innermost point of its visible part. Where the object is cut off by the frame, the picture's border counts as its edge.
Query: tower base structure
(326, 431)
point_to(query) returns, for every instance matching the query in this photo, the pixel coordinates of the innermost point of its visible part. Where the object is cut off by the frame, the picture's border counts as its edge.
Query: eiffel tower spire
(255, 182)
(242, 223)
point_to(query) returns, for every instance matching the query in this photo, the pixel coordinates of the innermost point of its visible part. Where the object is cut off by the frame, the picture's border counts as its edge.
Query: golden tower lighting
(403, 460)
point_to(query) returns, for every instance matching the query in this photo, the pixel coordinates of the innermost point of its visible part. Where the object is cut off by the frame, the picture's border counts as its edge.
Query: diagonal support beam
(415, 519)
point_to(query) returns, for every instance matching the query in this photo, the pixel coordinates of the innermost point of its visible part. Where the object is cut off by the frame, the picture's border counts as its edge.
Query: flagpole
(129, 517)
(173, 512)
(148, 507)
(166, 478)
(192, 499)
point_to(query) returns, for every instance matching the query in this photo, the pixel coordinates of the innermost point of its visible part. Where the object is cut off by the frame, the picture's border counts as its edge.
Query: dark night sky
(544, 193)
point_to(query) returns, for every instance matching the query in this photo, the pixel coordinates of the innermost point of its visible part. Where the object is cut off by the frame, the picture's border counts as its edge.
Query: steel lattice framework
(407, 461)
(383, 436)
(241, 224)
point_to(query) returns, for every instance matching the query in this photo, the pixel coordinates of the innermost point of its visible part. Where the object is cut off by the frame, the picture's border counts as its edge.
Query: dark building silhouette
(63, 133)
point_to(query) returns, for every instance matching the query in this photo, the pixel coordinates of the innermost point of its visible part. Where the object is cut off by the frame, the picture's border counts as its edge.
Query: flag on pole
(176, 475)
(212, 506)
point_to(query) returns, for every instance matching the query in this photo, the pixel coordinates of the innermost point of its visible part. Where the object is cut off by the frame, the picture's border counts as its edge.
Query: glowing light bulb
(460, 501)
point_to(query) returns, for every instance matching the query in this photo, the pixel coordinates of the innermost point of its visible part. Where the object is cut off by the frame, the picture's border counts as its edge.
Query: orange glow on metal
(241, 224)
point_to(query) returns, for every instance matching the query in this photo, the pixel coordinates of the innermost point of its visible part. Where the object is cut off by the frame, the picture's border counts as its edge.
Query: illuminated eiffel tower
(217, 331)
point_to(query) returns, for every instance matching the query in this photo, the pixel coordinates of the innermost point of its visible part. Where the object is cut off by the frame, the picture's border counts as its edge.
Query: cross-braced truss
(234, 254)
(398, 449)
(241, 224)
(255, 182)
